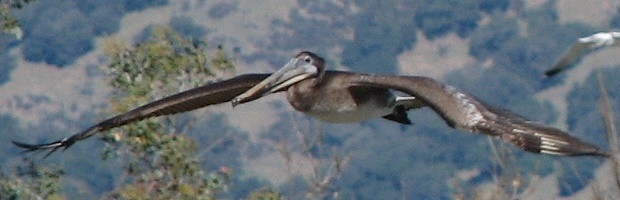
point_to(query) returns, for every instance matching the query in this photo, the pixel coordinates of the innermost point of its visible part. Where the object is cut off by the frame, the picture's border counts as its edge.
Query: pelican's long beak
(294, 71)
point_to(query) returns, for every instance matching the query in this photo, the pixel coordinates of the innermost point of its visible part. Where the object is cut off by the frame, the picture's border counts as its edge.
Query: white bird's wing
(569, 58)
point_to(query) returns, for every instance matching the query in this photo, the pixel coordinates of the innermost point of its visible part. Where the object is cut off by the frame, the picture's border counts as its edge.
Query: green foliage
(391, 161)
(381, 32)
(583, 114)
(137, 5)
(528, 56)
(387, 160)
(103, 16)
(8, 64)
(318, 33)
(10, 25)
(490, 38)
(222, 9)
(57, 31)
(525, 51)
(64, 36)
(22, 178)
(163, 64)
(491, 6)
(437, 18)
(515, 77)
(187, 28)
(32, 182)
(265, 194)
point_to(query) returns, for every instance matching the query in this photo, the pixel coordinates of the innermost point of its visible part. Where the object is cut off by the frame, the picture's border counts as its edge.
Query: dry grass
(324, 172)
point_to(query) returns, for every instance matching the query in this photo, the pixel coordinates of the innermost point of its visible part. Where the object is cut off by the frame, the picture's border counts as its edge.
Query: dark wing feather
(214, 93)
(536, 137)
(463, 111)
(569, 58)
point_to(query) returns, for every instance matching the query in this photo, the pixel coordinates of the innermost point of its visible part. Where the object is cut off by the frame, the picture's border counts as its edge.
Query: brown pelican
(306, 88)
(334, 100)
(590, 43)
(342, 97)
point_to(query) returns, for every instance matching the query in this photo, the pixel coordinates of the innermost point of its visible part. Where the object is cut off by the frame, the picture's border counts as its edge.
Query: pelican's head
(304, 65)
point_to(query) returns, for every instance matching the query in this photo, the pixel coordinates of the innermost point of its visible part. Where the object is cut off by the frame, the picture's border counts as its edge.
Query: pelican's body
(344, 97)
(335, 101)
(331, 96)
(583, 45)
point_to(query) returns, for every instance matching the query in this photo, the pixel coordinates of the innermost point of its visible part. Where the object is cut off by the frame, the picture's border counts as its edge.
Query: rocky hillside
(495, 51)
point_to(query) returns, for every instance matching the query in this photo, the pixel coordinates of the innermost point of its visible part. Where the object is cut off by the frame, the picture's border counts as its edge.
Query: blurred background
(55, 81)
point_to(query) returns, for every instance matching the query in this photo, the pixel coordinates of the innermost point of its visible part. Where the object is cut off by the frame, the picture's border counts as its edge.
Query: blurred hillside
(52, 85)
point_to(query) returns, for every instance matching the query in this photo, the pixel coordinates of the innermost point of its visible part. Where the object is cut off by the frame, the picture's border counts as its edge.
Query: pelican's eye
(308, 59)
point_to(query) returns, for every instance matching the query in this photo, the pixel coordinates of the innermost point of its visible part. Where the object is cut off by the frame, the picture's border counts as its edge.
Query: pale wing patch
(471, 113)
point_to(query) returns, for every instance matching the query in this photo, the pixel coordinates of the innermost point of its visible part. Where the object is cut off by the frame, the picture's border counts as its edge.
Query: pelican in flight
(346, 97)
(583, 45)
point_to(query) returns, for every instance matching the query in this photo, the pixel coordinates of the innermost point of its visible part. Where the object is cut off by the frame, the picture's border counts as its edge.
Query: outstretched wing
(569, 58)
(214, 93)
(533, 136)
(465, 112)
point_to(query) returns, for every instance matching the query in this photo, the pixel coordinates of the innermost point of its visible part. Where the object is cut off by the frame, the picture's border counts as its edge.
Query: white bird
(590, 43)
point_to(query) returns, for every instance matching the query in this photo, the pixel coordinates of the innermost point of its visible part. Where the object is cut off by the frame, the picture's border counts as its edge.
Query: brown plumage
(345, 97)
(465, 112)
(199, 97)
(459, 109)
(334, 101)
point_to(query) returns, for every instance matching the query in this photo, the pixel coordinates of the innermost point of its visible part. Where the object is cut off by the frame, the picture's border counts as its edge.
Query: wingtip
(53, 146)
(590, 151)
(602, 153)
(596, 152)
(27, 147)
(551, 73)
